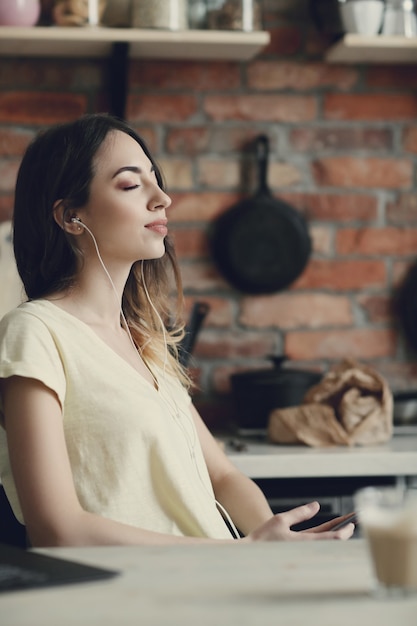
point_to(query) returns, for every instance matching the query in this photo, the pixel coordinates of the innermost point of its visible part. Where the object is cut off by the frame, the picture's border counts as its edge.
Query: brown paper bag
(351, 405)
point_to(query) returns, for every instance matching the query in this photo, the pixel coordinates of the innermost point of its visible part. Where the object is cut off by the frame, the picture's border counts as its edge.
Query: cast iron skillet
(261, 244)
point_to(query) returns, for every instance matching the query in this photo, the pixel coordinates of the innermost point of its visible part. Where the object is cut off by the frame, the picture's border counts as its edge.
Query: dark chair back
(12, 531)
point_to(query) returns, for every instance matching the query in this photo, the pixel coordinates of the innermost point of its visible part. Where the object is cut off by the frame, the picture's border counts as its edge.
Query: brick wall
(343, 152)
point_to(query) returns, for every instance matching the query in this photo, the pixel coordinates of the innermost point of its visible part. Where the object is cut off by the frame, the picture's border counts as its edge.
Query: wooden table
(320, 583)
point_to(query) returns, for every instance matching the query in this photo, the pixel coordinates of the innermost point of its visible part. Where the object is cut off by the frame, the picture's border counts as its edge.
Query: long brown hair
(59, 164)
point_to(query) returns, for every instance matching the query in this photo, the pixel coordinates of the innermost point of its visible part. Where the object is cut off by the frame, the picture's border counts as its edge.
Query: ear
(63, 218)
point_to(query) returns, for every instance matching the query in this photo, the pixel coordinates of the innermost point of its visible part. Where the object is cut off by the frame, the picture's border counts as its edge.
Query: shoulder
(28, 314)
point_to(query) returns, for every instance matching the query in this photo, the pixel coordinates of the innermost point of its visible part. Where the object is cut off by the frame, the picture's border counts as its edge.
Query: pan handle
(262, 156)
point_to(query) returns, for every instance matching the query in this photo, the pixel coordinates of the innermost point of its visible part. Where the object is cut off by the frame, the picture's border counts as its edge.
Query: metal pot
(256, 393)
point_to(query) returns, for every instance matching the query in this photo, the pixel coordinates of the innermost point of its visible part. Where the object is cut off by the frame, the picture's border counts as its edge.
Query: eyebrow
(131, 168)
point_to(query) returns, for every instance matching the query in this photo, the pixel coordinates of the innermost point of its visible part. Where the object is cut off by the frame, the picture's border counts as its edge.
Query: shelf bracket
(118, 78)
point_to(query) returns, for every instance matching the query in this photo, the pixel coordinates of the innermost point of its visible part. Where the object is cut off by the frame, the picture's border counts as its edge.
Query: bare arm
(241, 497)
(247, 505)
(52, 512)
(42, 473)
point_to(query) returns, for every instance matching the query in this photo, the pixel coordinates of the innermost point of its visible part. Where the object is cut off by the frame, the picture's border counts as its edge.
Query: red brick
(306, 310)
(316, 44)
(360, 343)
(401, 375)
(342, 275)
(321, 239)
(272, 75)
(190, 243)
(410, 139)
(378, 308)
(370, 106)
(268, 108)
(399, 271)
(334, 207)
(161, 108)
(220, 313)
(178, 75)
(218, 173)
(285, 40)
(216, 345)
(211, 139)
(6, 207)
(345, 171)
(201, 206)
(40, 108)
(59, 74)
(377, 241)
(391, 77)
(177, 173)
(148, 134)
(228, 173)
(8, 174)
(403, 210)
(201, 276)
(14, 141)
(188, 141)
(315, 139)
(221, 379)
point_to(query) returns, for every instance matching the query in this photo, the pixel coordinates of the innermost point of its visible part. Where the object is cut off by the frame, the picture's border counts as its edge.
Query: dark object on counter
(405, 407)
(406, 308)
(23, 569)
(197, 317)
(12, 531)
(262, 244)
(256, 393)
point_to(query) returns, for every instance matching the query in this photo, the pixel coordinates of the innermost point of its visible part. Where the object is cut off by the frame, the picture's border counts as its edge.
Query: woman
(101, 443)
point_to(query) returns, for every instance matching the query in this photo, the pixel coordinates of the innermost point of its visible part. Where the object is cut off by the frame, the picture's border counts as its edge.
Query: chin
(155, 254)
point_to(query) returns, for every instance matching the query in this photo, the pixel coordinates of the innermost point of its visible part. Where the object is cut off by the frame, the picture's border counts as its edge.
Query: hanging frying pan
(262, 244)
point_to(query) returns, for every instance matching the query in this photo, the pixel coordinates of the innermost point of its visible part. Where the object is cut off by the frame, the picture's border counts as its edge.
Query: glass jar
(243, 15)
(87, 13)
(164, 14)
(400, 18)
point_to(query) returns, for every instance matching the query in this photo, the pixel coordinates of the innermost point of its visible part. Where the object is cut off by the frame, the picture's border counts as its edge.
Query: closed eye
(130, 187)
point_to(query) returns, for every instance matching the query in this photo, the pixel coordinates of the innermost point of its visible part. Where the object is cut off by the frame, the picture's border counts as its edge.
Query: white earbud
(76, 220)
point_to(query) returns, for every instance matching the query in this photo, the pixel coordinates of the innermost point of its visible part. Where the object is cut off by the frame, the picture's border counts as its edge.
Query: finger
(300, 513)
(344, 533)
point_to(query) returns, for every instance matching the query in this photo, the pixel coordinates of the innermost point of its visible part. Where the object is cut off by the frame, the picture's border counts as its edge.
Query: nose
(159, 199)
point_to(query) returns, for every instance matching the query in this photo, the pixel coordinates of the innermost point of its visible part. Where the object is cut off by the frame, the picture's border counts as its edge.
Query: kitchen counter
(260, 459)
(317, 583)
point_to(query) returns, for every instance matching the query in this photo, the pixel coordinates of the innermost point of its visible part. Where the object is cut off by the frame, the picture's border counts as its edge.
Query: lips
(158, 226)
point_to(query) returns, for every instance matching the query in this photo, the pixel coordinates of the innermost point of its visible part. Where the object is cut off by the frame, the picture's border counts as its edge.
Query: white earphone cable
(173, 409)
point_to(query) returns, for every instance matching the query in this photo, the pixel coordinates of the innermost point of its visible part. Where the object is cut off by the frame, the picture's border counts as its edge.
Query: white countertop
(320, 583)
(260, 459)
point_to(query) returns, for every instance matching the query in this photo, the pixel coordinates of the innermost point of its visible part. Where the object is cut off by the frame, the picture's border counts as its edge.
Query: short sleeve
(28, 349)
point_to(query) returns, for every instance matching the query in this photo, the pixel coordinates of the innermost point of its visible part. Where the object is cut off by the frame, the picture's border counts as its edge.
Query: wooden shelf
(142, 43)
(383, 49)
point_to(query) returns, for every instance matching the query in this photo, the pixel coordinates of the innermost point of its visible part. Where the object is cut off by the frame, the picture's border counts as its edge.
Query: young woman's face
(126, 210)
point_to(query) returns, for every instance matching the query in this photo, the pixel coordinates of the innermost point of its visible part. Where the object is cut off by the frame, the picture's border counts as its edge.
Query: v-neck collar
(86, 328)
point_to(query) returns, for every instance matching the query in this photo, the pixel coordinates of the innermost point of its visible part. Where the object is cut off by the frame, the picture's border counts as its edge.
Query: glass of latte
(388, 522)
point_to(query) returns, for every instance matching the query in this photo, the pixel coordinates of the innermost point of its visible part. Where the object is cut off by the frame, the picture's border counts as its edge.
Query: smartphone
(353, 517)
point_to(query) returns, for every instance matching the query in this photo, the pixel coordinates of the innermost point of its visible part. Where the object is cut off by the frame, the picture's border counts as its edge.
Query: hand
(278, 528)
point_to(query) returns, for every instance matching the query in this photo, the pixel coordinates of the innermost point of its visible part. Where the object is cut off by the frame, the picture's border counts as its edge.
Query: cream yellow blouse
(134, 451)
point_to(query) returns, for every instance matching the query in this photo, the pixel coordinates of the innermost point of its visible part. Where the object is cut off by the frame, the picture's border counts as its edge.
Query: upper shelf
(97, 42)
(384, 49)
